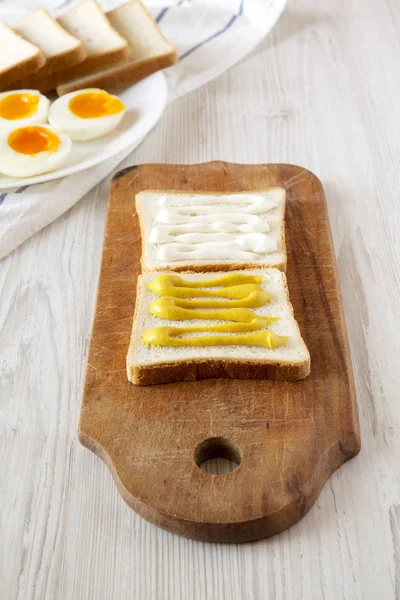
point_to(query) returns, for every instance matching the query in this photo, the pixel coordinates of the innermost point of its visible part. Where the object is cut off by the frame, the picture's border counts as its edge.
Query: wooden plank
(291, 437)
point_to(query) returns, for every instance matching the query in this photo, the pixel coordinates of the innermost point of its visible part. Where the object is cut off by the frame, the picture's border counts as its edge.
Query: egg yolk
(32, 140)
(18, 106)
(94, 104)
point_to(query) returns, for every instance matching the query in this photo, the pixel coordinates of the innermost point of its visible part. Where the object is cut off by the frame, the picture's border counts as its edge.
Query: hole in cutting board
(217, 456)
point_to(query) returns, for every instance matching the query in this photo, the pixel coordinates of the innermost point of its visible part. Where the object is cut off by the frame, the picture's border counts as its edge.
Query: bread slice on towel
(18, 57)
(148, 365)
(149, 51)
(60, 48)
(205, 212)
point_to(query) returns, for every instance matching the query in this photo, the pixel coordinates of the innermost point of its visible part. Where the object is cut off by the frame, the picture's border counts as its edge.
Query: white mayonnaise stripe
(177, 252)
(205, 205)
(163, 237)
(185, 200)
(201, 232)
(168, 215)
(259, 204)
(251, 244)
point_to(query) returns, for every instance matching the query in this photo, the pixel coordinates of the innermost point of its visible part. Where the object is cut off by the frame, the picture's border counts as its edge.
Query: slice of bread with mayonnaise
(192, 231)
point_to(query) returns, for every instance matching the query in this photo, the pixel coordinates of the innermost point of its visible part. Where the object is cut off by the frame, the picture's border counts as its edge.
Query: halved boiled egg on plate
(32, 150)
(22, 107)
(86, 114)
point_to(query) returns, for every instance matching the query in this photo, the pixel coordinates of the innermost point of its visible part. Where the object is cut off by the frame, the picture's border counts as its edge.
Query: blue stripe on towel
(164, 11)
(217, 34)
(18, 191)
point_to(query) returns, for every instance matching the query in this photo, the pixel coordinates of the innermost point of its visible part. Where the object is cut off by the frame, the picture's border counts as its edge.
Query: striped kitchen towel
(210, 36)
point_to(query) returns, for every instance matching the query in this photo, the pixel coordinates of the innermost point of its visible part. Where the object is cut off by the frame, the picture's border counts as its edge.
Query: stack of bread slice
(82, 48)
(213, 300)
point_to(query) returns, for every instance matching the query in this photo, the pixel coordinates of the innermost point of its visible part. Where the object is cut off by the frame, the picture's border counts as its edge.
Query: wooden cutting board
(288, 437)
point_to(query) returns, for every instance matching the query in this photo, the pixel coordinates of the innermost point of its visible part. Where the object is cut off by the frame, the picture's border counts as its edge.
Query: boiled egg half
(32, 150)
(86, 114)
(22, 107)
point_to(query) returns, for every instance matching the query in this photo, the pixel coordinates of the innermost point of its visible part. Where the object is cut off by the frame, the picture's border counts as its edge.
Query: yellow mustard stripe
(167, 336)
(161, 285)
(165, 309)
(255, 299)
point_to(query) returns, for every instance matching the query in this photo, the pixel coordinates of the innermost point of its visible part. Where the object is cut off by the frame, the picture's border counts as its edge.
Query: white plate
(145, 102)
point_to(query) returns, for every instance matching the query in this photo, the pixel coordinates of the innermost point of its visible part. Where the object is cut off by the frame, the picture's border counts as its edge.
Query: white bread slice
(103, 44)
(148, 207)
(147, 365)
(60, 48)
(18, 57)
(149, 51)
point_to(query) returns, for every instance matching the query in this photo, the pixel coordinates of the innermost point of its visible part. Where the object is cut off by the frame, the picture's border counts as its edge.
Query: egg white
(79, 129)
(39, 117)
(16, 164)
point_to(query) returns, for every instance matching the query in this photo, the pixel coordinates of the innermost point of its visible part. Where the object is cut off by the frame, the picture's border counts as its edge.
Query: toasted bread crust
(47, 83)
(192, 370)
(66, 59)
(24, 68)
(123, 75)
(58, 63)
(210, 267)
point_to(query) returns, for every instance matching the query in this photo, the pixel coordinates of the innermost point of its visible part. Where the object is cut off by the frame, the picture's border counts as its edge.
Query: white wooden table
(322, 91)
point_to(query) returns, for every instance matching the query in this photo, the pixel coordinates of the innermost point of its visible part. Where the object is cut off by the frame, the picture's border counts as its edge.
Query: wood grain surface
(288, 438)
(321, 91)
